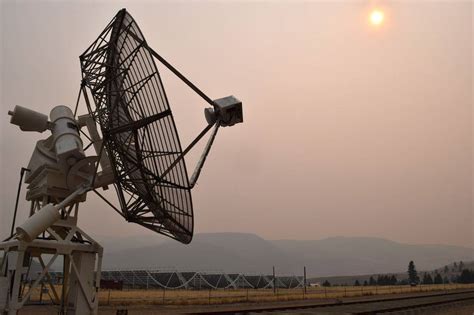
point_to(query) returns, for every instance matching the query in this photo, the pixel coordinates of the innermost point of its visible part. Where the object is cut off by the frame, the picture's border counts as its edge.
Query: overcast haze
(349, 129)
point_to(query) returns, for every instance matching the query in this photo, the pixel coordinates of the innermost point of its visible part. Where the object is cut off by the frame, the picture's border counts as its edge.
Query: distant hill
(212, 252)
(365, 255)
(114, 243)
(249, 253)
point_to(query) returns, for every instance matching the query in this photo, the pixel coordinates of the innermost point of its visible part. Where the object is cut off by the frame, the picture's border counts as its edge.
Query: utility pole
(274, 281)
(304, 279)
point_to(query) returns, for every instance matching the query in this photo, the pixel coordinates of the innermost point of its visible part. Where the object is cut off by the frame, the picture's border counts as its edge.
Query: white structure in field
(59, 177)
(137, 149)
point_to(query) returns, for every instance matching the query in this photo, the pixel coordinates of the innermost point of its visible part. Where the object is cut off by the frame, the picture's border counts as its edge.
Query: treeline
(465, 276)
(455, 268)
(384, 280)
(437, 279)
(380, 281)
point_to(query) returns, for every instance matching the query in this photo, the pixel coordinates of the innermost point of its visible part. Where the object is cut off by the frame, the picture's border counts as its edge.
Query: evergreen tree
(326, 284)
(438, 279)
(380, 280)
(466, 276)
(365, 283)
(446, 269)
(461, 266)
(384, 280)
(393, 280)
(357, 283)
(372, 281)
(455, 267)
(427, 279)
(412, 274)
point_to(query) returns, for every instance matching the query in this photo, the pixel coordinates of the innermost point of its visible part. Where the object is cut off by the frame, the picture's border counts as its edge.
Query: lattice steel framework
(139, 132)
(197, 280)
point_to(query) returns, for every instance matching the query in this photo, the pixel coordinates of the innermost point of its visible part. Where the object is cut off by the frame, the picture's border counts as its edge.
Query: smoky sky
(348, 129)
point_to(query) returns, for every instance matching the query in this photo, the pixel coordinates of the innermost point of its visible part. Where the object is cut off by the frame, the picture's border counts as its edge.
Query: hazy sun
(376, 17)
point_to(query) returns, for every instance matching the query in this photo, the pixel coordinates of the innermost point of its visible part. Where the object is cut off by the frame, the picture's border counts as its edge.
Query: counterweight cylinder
(38, 223)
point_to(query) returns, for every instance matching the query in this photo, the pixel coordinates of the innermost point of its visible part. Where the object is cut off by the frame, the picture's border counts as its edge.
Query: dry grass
(200, 297)
(221, 296)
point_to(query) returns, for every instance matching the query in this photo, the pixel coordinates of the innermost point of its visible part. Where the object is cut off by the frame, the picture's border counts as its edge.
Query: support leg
(65, 293)
(13, 303)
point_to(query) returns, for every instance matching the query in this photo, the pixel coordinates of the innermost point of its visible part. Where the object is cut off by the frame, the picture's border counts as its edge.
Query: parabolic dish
(139, 132)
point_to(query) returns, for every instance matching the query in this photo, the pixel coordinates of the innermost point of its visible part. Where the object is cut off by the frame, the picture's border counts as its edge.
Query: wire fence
(223, 296)
(166, 287)
(163, 296)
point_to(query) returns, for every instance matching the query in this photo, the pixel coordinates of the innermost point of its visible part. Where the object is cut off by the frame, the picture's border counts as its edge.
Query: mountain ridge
(250, 253)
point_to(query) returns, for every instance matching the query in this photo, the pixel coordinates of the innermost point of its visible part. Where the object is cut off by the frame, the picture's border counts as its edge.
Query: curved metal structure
(139, 153)
(167, 279)
(199, 280)
(138, 129)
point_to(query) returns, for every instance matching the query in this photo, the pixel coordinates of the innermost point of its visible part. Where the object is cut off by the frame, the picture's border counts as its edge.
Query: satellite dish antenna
(137, 149)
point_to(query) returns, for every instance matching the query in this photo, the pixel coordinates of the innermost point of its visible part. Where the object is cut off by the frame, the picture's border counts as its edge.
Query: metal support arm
(172, 69)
